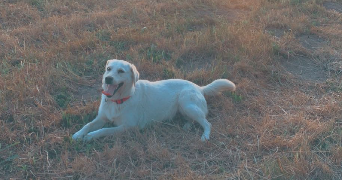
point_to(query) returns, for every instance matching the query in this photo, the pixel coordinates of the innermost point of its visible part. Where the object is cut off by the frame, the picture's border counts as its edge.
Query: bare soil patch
(302, 67)
(231, 15)
(90, 92)
(305, 68)
(228, 14)
(337, 6)
(208, 16)
(312, 42)
(277, 32)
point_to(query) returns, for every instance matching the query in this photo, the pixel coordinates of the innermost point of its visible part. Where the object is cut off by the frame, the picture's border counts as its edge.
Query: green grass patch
(103, 35)
(7, 156)
(39, 4)
(275, 48)
(4, 67)
(81, 146)
(68, 119)
(168, 73)
(63, 99)
(120, 46)
(235, 97)
(156, 55)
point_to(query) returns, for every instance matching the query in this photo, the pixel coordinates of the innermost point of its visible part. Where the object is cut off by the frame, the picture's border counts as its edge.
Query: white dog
(129, 102)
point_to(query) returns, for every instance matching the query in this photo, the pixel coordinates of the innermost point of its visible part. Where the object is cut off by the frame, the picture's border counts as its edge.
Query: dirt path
(315, 65)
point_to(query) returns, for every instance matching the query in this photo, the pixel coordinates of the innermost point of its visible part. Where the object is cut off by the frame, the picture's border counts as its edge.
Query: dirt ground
(283, 121)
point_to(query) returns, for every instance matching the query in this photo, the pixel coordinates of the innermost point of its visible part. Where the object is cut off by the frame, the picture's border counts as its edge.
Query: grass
(275, 126)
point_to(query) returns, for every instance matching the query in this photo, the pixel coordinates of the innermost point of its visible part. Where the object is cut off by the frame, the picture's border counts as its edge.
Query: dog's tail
(217, 86)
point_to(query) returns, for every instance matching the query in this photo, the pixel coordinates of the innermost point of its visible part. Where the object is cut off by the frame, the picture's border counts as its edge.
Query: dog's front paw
(91, 136)
(88, 137)
(78, 136)
(205, 137)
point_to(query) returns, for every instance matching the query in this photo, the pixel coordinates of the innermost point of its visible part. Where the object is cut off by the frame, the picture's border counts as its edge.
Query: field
(283, 122)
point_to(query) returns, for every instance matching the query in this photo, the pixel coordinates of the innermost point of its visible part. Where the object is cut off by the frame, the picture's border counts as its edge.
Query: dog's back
(158, 101)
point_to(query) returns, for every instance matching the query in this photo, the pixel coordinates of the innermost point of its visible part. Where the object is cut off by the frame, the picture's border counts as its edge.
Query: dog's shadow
(175, 127)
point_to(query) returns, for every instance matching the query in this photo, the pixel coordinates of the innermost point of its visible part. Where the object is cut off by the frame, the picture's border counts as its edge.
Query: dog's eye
(108, 68)
(120, 71)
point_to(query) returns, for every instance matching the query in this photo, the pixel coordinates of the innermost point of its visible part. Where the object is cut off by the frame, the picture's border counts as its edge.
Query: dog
(129, 102)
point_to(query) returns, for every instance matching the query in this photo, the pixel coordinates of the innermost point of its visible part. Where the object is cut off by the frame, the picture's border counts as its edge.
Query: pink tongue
(110, 90)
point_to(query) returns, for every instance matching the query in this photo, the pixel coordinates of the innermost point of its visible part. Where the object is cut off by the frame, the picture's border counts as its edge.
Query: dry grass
(278, 125)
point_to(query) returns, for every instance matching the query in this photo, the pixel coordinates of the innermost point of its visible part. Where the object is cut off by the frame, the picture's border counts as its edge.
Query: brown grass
(275, 126)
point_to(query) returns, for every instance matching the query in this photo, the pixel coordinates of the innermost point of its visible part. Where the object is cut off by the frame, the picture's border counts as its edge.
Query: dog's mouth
(111, 89)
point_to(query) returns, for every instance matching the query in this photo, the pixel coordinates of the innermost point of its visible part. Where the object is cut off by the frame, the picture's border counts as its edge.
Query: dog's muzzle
(111, 89)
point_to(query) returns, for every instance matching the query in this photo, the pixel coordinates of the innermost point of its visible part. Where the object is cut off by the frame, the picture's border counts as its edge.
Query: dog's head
(119, 78)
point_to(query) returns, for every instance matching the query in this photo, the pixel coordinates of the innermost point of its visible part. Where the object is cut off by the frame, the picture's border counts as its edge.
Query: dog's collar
(120, 101)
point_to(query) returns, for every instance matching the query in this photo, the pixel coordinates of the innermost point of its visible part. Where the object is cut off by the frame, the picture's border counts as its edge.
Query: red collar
(120, 101)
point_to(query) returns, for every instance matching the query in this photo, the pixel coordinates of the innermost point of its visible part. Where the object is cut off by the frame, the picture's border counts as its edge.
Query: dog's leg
(193, 105)
(96, 124)
(104, 132)
(196, 114)
(187, 126)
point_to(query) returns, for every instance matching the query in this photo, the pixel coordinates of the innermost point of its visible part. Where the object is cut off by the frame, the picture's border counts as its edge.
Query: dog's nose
(109, 80)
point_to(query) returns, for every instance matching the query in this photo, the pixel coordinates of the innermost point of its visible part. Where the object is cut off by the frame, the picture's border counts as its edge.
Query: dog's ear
(108, 62)
(134, 74)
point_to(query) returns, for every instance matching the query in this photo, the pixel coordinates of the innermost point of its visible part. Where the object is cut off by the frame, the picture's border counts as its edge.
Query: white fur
(150, 101)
